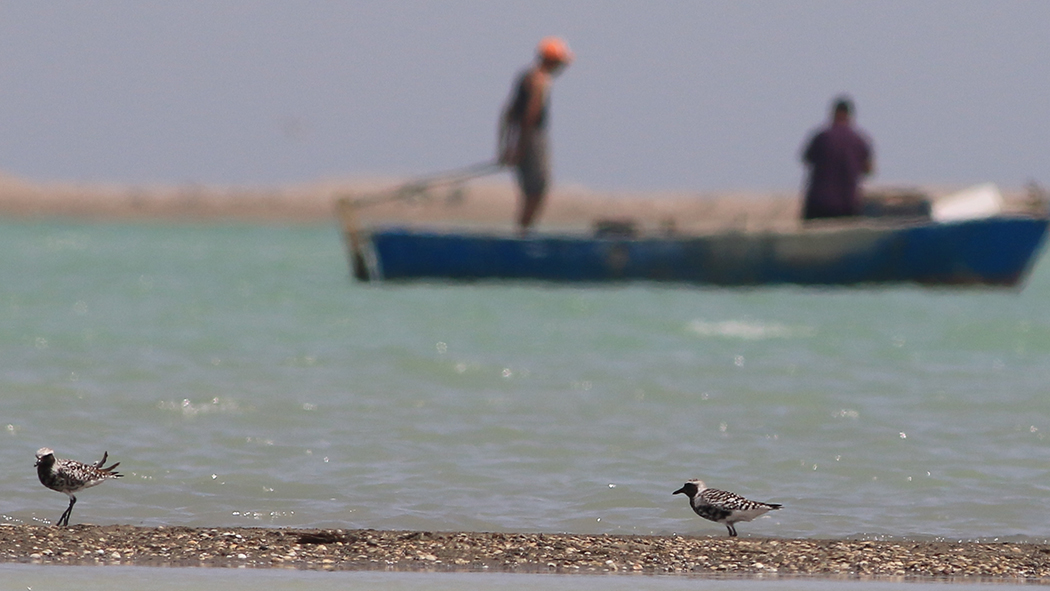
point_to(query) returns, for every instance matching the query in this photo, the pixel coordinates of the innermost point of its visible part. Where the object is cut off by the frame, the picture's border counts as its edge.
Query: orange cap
(553, 49)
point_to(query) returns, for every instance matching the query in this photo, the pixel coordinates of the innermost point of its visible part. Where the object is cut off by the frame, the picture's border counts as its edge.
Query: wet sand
(508, 552)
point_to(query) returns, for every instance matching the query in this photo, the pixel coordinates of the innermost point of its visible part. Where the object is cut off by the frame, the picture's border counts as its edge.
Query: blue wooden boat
(998, 251)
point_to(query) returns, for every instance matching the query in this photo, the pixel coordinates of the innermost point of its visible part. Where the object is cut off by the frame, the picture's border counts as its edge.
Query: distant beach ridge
(490, 202)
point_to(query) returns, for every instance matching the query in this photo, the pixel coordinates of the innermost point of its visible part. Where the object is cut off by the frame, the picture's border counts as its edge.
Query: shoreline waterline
(399, 551)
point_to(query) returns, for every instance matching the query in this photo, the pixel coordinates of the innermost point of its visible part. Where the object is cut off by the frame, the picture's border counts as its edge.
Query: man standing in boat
(837, 157)
(523, 127)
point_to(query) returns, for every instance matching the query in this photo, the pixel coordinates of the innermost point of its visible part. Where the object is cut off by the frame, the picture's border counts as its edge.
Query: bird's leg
(732, 530)
(64, 520)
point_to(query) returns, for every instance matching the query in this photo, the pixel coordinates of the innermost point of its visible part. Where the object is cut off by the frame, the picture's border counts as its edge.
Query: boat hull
(990, 251)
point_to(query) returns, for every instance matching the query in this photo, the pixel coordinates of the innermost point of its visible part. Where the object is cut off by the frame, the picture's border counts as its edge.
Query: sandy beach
(489, 201)
(518, 552)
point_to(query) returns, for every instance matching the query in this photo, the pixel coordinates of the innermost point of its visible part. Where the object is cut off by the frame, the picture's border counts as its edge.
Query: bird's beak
(679, 491)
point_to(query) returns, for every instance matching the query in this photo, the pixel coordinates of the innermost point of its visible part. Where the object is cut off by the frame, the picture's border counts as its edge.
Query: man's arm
(809, 154)
(506, 140)
(868, 165)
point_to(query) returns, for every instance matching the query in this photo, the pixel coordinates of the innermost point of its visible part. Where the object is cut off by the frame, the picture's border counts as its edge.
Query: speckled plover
(721, 506)
(70, 476)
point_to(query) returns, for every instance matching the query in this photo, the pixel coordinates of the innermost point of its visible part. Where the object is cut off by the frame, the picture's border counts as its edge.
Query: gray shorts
(534, 169)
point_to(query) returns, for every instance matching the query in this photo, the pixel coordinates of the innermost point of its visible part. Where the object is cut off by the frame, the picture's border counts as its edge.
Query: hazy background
(662, 96)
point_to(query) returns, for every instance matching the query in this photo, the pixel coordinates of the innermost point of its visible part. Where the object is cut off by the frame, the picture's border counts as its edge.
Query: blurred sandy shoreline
(490, 201)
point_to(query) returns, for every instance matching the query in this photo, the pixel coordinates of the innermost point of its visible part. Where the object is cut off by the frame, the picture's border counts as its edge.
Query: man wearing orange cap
(523, 127)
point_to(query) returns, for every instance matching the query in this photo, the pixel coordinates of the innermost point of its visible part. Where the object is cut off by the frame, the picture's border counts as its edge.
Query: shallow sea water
(242, 379)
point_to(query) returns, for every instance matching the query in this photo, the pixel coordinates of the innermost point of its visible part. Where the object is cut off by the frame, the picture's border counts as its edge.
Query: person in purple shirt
(837, 157)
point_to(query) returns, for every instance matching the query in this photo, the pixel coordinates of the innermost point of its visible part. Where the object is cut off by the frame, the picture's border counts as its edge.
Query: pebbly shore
(513, 552)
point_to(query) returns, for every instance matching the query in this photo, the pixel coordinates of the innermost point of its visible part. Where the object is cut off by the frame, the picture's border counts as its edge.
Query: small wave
(191, 409)
(752, 331)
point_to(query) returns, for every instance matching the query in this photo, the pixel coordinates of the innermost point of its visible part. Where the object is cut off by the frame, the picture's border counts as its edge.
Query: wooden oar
(417, 187)
(347, 206)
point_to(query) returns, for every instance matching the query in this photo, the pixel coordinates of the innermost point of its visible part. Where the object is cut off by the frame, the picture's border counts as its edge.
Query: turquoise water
(242, 379)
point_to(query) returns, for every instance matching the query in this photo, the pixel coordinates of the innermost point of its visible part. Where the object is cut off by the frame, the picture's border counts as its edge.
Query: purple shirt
(837, 156)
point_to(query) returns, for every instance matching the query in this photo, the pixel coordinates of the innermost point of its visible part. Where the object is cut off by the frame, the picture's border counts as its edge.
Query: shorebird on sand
(70, 476)
(721, 506)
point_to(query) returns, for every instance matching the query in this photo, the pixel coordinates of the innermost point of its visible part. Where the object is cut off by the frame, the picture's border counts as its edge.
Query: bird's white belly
(746, 515)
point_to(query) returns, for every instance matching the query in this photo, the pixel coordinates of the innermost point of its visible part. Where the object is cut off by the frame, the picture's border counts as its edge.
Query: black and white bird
(721, 506)
(70, 476)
